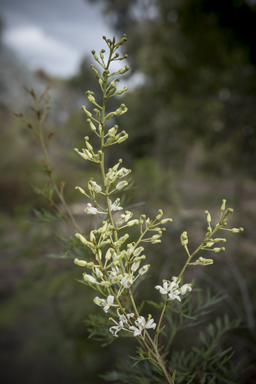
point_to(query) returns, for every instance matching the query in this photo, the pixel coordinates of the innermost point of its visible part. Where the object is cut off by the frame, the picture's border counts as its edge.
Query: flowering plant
(115, 263)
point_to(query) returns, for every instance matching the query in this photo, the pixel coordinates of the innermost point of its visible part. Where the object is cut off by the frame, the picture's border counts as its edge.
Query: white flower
(105, 303)
(110, 177)
(140, 322)
(136, 331)
(91, 210)
(121, 185)
(164, 289)
(116, 327)
(185, 288)
(115, 272)
(150, 324)
(170, 288)
(95, 187)
(126, 281)
(109, 302)
(124, 319)
(174, 295)
(124, 218)
(115, 206)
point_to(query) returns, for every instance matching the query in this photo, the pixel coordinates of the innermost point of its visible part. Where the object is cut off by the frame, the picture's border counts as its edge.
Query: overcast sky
(53, 34)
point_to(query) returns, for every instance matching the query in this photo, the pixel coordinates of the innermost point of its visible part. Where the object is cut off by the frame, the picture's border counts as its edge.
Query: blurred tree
(199, 81)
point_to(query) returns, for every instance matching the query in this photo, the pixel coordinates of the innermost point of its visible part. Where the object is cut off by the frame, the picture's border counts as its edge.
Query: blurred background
(192, 142)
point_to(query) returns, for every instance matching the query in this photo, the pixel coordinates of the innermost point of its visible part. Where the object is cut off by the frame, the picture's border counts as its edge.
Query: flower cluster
(138, 329)
(172, 289)
(115, 263)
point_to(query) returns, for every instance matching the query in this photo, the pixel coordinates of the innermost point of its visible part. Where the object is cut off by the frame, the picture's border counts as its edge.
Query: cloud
(42, 50)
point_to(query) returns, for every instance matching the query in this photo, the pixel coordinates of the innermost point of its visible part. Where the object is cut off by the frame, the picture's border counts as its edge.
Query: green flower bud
(158, 217)
(92, 126)
(88, 145)
(217, 240)
(184, 238)
(136, 259)
(81, 263)
(133, 222)
(138, 251)
(83, 155)
(81, 190)
(123, 70)
(237, 230)
(208, 216)
(216, 250)
(122, 91)
(202, 261)
(87, 112)
(90, 96)
(81, 238)
(105, 284)
(109, 254)
(122, 138)
(89, 278)
(165, 221)
(121, 185)
(223, 207)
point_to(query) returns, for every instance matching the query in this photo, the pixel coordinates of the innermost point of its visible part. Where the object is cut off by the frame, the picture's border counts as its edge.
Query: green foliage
(178, 316)
(206, 363)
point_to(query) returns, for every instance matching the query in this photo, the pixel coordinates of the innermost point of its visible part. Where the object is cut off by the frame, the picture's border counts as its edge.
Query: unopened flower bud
(92, 237)
(216, 250)
(109, 254)
(223, 207)
(122, 91)
(138, 251)
(123, 70)
(88, 145)
(122, 138)
(166, 221)
(105, 284)
(98, 273)
(121, 185)
(237, 230)
(90, 96)
(143, 257)
(144, 269)
(81, 238)
(87, 112)
(132, 222)
(158, 217)
(80, 190)
(135, 266)
(81, 263)
(89, 278)
(184, 238)
(208, 216)
(92, 126)
(130, 249)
